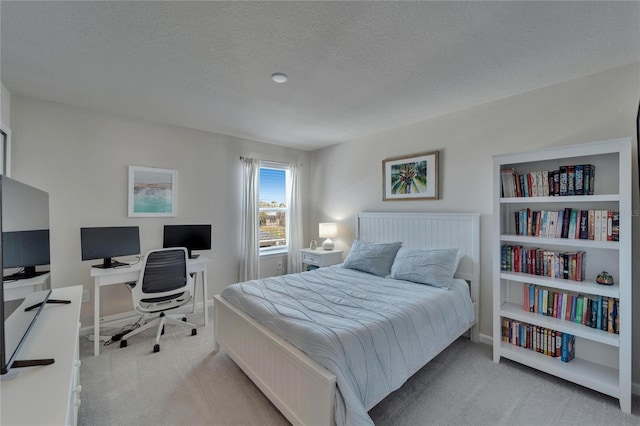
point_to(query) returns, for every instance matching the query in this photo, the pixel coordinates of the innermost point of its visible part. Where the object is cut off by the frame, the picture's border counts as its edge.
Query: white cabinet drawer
(311, 258)
(320, 258)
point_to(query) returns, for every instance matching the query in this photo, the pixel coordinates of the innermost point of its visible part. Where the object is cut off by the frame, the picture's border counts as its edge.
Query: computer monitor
(24, 226)
(25, 249)
(192, 237)
(108, 242)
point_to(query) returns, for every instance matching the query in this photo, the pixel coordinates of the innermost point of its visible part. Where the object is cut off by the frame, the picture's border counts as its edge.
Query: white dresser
(47, 394)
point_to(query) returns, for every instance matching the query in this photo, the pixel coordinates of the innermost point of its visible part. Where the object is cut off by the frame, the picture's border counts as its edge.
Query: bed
(304, 389)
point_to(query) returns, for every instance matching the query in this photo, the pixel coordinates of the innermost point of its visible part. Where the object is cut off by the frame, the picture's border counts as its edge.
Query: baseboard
(488, 340)
(485, 339)
(124, 318)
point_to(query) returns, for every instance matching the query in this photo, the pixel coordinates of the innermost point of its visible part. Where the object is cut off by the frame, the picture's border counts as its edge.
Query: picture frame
(152, 192)
(410, 177)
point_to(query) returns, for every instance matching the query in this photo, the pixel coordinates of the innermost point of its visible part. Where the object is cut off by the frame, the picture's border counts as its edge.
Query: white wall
(81, 158)
(347, 178)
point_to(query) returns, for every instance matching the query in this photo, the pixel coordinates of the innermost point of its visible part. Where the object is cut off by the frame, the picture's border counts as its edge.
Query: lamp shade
(328, 230)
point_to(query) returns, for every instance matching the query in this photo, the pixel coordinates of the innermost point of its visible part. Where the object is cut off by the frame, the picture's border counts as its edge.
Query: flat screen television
(108, 242)
(192, 237)
(24, 225)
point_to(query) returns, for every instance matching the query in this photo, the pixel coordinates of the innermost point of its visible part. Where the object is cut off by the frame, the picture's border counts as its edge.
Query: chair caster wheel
(123, 343)
(156, 348)
(184, 319)
(194, 332)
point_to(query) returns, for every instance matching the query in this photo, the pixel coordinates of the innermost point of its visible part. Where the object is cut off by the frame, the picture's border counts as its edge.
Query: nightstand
(320, 257)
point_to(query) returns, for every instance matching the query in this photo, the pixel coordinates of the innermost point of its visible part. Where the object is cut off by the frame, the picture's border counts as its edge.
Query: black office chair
(164, 285)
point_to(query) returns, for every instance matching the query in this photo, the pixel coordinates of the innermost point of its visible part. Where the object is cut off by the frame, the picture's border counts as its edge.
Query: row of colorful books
(547, 263)
(566, 180)
(598, 225)
(591, 311)
(539, 339)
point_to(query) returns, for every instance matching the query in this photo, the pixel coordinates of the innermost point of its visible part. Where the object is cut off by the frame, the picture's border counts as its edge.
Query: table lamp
(328, 231)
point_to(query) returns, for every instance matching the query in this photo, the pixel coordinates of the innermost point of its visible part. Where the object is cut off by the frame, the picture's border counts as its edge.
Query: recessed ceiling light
(279, 77)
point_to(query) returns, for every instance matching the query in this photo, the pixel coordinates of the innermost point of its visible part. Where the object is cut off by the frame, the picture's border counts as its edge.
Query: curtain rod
(270, 161)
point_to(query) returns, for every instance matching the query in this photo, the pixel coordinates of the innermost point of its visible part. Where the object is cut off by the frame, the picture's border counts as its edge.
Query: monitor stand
(48, 301)
(32, 362)
(28, 272)
(110, 263)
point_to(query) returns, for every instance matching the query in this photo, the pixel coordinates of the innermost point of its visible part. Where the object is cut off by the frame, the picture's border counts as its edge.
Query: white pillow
(434, 267)
(374, 258)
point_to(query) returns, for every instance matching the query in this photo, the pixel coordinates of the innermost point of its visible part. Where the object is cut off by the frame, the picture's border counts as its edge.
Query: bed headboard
(430, 230)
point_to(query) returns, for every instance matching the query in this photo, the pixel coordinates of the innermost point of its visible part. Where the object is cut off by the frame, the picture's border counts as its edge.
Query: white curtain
(295, 219)
(250, 235)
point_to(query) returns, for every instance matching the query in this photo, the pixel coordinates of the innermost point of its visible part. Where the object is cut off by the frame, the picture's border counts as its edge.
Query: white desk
(104, 277)
(19, 289)
(48, 394)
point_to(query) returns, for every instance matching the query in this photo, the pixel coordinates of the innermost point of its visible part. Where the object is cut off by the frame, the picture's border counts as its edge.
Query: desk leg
(204, 296)
(96, 317)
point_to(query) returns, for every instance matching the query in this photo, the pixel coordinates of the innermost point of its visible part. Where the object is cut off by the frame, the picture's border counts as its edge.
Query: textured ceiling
(355, 68)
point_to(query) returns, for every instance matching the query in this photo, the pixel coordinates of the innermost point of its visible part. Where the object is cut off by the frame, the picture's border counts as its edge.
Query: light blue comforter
(373, 333)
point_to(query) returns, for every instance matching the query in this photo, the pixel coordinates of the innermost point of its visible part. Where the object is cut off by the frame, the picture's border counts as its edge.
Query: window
(273, 209)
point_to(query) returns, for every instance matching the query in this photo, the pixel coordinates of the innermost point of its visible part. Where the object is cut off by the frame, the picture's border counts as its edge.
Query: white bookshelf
(603, 359)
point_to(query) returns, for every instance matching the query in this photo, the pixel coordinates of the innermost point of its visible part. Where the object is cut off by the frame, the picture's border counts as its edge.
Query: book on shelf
(539, 339)
(594, 313)
(571, 179)
(573, 223)
(536, 261)
(568, 347)
(597, 225)
(612, 316)
(563, 181)
(567, 180)
(584, 225)
(597, 235)
(578, 314)
(599, 313)
(604, 225)
(615, 226)
(571, 306)
(566, 219)
(579, 179)
(508, 188)
(589, 179)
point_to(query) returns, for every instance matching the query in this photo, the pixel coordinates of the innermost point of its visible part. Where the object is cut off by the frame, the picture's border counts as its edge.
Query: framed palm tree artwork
(411, 177)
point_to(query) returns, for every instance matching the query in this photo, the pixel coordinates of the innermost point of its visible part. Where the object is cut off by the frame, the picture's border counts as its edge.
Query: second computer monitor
(193, 237)
(108, 242)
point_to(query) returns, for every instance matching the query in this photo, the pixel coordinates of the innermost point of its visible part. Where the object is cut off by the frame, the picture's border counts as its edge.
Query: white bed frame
(299, 387)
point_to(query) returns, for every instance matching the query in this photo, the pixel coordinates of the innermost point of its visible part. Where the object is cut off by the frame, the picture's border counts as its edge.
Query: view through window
(273, 208)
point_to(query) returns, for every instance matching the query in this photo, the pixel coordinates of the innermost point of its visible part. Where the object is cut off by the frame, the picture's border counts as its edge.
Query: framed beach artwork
(152, 192)
(411, 177)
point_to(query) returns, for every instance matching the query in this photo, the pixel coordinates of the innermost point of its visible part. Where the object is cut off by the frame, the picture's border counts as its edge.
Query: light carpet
(188, 384)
